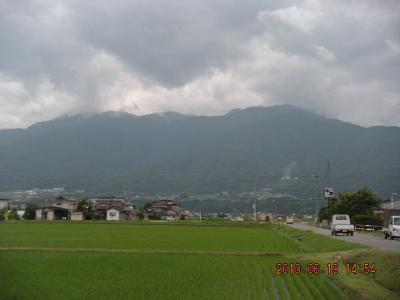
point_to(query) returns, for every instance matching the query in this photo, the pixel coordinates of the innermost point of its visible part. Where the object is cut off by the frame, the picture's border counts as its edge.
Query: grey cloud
(174, 41)
(339, 58)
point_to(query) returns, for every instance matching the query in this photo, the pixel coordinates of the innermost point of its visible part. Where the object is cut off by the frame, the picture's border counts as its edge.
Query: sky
(340, 59)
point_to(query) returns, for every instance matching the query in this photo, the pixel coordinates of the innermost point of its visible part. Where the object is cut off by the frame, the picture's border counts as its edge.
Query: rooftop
(388, 205)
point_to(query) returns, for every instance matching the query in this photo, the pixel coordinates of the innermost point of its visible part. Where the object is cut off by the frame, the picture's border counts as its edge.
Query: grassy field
(219, 238)
(143, 261)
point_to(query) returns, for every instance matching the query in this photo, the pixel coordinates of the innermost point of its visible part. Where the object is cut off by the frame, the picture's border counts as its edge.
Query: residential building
(51, 213)
(61, 209)
(67, 203)
(163, 210)
(117, 214)
(104, 203)
(114, 209)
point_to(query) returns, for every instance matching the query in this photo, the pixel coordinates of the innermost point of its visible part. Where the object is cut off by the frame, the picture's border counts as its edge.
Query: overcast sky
(337, 58)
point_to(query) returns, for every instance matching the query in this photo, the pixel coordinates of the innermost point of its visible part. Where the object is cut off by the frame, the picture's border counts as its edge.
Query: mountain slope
(173, 152)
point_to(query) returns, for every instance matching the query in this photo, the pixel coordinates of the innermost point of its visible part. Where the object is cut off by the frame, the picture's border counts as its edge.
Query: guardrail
(367, 227)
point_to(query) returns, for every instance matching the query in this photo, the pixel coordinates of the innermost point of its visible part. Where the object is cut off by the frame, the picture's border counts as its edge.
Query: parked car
(289, 220)
(391, 223)
(237, 219)
(341, 224)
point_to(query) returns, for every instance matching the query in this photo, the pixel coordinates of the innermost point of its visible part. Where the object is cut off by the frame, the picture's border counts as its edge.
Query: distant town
(56, 204)
(237, 204)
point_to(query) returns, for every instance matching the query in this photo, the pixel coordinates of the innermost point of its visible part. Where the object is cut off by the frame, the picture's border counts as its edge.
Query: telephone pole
(328, 174)
(315, 176)
(254, 201)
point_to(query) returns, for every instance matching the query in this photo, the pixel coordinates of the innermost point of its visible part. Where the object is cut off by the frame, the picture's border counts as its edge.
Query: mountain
(282, 146)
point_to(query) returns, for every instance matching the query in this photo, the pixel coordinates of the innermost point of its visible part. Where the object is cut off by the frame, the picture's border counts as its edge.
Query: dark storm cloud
(339, 58)
(171, 41)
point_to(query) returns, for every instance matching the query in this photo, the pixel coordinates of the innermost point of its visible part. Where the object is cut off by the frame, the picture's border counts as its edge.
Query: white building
(112, 214)
(4, 203)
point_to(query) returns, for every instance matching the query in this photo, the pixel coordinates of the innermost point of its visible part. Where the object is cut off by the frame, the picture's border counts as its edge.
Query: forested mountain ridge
(282, 146)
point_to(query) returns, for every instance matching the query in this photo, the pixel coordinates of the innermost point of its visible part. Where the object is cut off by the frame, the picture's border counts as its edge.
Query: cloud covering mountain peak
(337, 58)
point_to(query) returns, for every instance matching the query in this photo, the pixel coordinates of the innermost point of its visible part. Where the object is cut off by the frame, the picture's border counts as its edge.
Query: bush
(30, 211)
(3, 213)
(366, 220)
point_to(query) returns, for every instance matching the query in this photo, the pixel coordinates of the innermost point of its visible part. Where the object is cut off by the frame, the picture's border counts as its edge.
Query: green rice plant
(313, 283)
(269, 290)
(292, 288)
(282, 289)
(305, 293)
(89, 260)
(333, 290)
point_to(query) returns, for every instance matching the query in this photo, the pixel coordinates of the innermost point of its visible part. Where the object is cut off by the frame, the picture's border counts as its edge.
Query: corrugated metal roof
(388, 205)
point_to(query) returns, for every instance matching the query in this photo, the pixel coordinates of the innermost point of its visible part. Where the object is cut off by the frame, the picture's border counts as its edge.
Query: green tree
(327, 212)
(12, 215)
(141, 213)
(85, 206)
(362, 202)
(30, 211)
(3, 213)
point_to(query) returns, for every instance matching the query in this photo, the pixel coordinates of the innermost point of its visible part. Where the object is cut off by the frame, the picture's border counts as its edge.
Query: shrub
(366, 220)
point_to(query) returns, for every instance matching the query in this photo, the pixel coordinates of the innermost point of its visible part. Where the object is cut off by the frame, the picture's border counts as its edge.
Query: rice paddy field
(164, 261)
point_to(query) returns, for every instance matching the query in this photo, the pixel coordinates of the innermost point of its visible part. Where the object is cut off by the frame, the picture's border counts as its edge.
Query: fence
(368, 227)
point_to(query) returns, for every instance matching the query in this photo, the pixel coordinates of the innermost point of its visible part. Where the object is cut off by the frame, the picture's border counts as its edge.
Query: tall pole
(328, 175)
(317, 196)
(254, 201)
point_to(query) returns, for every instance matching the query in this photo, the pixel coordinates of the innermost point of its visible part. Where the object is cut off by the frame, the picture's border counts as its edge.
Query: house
(4, 203)
(104, 203)
(62, 209)
(117, 214)
(51, 213)
(67, 203)
(128, 215)
(105, 208)
(114, 209)
(163, 210)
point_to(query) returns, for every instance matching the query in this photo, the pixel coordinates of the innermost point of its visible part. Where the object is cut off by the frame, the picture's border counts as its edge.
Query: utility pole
(254, 201)
(315, 176)
(392, 198)
(328, 175)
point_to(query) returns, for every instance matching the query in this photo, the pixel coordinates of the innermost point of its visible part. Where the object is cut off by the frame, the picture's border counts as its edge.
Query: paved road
(360, 238)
